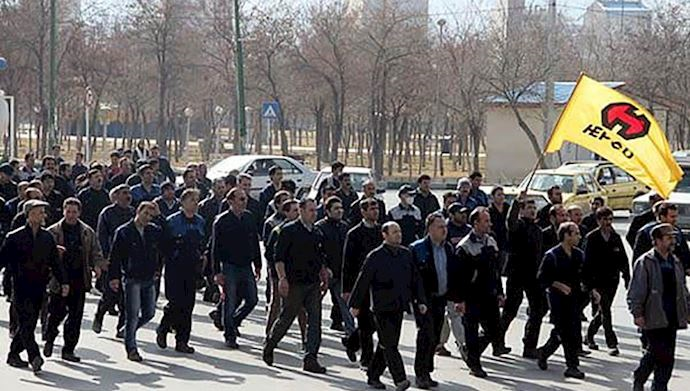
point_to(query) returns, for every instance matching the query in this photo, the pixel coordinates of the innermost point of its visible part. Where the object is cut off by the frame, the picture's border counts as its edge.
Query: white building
(416, 10)
(605, 17)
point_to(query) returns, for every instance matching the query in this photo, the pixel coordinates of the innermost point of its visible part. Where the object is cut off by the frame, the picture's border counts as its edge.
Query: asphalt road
(105, 367)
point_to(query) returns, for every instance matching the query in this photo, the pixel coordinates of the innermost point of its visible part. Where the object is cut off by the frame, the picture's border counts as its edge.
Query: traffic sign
(270, 110)
(3, 63)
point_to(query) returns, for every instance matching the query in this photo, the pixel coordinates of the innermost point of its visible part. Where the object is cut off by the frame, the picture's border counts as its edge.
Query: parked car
(578, 187)
(258, 165)
(621, 187)
(358, 175)
(680, 197)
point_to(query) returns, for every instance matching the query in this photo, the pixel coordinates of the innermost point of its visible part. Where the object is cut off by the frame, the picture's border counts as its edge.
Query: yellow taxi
(621, 187)
(578, 187)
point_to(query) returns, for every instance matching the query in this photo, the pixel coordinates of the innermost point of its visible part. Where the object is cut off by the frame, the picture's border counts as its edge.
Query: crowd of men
(127, 226)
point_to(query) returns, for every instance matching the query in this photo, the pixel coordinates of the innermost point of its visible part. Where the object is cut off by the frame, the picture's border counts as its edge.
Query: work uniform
(182, 247)
(390, 278)
(92, 203)
(409, 218)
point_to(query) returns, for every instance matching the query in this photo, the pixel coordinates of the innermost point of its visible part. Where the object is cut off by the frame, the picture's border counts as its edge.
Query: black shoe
(426, 384)
(500, 351)
(120, 333)
(478, 372)
(584, 353)
(36, 364)
(133, 355)
(541, 360)
(638, 385)
(530, 353)
(376, 384)
(267, 355)
(592, 345)
(337, 327)
(231, 344)
(433, 383)
(313, 366)
(162, 340)
(574, 373)
(97, 325)
(113, 312)
(403, 385)
(614, 352)
(237, 332)
(217, 320)
(48, 348)
(351, 355)
(184, 348)
(442, 351)
(16, 362)
(71, 357)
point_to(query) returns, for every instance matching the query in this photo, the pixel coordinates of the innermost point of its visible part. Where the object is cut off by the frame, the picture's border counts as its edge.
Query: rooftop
(535, 94)
(623, 6)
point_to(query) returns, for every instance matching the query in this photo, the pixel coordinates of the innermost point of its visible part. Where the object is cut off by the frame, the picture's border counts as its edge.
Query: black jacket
(333, 235)
(183, 245)
(427, 204)
(410, 220)
(110, 219)
(524, 245)
(8, 190)
(480, 274)
(558, 266)
(92, 203)
(31, 259)
(235, 241)
(543, 216)
(300, 250)
(166, 210)
(265, 197)
(636, 225)
(589, 223)
(549, 238)
(209, 208)
(347, 199)
(390, 278)
(499, 226)
(605, 261)
(359, 242)
(131, 256)
(644, 243)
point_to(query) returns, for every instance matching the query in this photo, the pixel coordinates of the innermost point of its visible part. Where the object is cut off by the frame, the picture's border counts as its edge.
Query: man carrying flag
(621, 131)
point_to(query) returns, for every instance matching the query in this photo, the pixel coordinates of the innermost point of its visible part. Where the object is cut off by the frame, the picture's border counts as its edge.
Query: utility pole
(239, 75)
(52, 129)
(549, 83)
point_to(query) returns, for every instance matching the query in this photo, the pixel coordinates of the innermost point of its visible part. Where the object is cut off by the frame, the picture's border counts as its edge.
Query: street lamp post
(437, 129)
(239, 69)
(219, 110)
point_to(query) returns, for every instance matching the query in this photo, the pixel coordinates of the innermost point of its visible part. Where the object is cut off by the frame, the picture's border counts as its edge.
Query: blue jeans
(240, 297)
(140, 296)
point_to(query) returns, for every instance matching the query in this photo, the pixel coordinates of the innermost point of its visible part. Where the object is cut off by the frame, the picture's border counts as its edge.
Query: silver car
(680, 197)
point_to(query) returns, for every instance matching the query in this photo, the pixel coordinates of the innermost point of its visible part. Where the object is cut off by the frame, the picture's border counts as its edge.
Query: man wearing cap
(81, 256)
(93, 199)
(369, 190)
(642, 219)
(31, 256)
(8, 189)
(424, 199)
(167, 202)
(524, 257)
(110, 219)
(658, 301)
(457, 223)
(147, 190)
(359, 242)
(464, 197)
(408, 216)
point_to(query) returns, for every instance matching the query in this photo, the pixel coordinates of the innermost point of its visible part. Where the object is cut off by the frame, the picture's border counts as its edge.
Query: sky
(450, 9)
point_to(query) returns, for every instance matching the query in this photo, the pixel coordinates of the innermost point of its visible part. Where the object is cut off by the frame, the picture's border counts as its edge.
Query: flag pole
(540, 160)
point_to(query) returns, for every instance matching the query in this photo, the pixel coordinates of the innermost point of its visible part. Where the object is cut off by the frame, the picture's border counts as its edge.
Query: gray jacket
(647, 289)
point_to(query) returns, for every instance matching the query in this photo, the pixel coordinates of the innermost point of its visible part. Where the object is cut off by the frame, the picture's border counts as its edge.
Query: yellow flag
(621, 131)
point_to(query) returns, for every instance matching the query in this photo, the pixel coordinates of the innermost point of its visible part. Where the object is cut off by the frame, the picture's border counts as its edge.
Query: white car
(358, 175)
(258, 165)
(680, 196)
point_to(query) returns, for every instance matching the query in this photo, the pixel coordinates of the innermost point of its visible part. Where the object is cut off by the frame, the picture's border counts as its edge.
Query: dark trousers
(388, 326)
(485, 313)
(516, 287)
(71, 307)
(241, 297)
(28, 305)
(603, 317)
(177, 314)
(362, 338)
(565, 316)
(659, 357)
(109, 299)
(429, 328)
(309, 297)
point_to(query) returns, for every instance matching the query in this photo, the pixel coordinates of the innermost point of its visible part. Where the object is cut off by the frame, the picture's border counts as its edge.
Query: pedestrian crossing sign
(270, 110)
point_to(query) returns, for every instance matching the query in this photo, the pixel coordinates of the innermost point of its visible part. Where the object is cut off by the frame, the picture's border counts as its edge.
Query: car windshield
(684, 184)
(543, 182)
(225, 166)
(357, 179)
